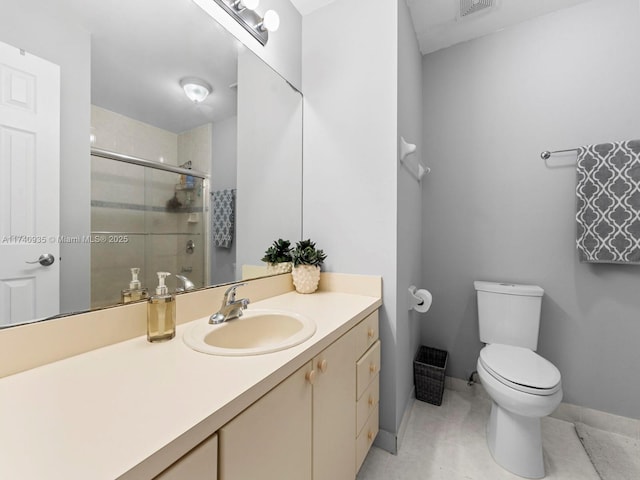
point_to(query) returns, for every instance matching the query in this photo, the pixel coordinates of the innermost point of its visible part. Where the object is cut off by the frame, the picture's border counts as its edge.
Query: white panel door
(29, 185)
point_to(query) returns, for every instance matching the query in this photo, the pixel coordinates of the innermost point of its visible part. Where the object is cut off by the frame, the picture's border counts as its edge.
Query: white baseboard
(568, 412)
(390, 441)
(405, 417)
(386, 441)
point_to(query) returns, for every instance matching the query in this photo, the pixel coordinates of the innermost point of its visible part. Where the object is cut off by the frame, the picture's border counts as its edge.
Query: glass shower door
(144, 218)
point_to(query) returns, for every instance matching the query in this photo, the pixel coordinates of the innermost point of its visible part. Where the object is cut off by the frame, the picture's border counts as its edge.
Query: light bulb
(195, 89)
(271, 21)
(248, 4)
(251, 4)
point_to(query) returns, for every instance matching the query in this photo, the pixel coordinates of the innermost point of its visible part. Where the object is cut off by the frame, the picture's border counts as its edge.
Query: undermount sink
(255, 333)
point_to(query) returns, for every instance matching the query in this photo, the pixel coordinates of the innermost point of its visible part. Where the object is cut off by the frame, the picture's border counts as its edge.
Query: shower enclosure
(148, 215)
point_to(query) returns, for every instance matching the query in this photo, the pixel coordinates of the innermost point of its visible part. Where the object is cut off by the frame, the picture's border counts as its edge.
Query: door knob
(46, 259)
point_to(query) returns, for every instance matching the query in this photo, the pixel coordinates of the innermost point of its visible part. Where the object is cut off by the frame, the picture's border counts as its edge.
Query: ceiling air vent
(469, 7)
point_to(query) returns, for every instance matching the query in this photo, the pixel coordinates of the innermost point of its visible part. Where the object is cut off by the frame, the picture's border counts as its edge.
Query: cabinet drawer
(367, 368)
(366, 438)
(366, 333)
(367, 403)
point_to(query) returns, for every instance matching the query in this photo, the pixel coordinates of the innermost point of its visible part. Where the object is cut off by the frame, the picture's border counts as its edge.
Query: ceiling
(437, 24)
(141, 49)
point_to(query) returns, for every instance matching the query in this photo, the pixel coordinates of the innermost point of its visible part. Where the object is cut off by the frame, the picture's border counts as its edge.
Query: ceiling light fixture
(195, 89)
(243, 11)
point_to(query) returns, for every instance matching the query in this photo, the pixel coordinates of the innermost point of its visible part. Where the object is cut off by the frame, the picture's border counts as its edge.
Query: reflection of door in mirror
(29, 176)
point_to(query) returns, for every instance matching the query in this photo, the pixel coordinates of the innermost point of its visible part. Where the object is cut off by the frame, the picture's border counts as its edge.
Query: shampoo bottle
(161, 313)
(135, 291)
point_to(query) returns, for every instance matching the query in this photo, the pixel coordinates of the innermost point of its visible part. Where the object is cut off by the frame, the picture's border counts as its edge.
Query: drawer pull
(323, 365)
(310, 377)
(371, 332)
(370, 435)
(372, 368)
(371, 401)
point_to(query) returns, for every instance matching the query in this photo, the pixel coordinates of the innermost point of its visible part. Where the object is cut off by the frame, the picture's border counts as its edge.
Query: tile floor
(448, 443)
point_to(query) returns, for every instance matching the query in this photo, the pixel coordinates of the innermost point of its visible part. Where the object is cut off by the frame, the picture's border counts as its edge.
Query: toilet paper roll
(426, 300)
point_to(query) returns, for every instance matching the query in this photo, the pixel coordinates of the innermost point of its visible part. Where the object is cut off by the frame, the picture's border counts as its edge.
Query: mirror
(94, 111)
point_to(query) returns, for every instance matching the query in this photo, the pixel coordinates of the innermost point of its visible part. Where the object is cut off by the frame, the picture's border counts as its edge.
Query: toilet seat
(521, 369)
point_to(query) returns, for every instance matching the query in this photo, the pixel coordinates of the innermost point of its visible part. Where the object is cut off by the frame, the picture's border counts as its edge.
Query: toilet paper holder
(419, 299)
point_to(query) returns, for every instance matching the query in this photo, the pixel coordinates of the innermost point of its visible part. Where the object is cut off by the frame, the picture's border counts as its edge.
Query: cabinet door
(271, 440)
(199, 464)
(334, 412)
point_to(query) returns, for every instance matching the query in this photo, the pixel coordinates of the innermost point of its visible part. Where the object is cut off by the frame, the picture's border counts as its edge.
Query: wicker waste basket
(429, 366)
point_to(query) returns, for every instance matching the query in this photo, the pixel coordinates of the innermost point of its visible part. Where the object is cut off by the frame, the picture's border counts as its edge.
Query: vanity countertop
(130, 409)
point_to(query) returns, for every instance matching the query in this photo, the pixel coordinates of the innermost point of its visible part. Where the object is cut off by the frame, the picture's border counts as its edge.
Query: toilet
(523, 386)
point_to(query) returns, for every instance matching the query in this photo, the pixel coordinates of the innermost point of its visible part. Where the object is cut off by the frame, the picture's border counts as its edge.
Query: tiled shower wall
(132, 201)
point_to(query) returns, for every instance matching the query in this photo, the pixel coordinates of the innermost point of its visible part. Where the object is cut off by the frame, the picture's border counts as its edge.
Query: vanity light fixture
(243, 11)
(195, 89)
(270, 22)
(242, 4)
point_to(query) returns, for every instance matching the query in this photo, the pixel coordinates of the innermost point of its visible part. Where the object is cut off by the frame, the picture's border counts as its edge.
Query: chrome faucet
(186, 284)
(231, 308)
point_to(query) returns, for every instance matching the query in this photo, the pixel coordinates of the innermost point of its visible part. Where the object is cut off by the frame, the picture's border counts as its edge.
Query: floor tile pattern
(448, 443)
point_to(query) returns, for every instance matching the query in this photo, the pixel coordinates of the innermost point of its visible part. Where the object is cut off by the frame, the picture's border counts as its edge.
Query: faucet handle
(230, 294)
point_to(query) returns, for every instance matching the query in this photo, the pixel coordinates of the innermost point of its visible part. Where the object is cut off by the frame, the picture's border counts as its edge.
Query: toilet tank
(509, 313)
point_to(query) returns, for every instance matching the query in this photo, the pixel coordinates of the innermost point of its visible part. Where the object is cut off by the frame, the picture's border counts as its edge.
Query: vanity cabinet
(201, 463)
(271, 440)
(318, 424)
(367, 385)
(334, 417)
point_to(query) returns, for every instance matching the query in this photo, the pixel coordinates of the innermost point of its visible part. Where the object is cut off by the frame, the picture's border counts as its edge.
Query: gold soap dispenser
(161, 312)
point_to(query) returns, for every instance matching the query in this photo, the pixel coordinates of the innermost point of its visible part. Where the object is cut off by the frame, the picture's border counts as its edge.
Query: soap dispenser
(135, 291)
(161, 312)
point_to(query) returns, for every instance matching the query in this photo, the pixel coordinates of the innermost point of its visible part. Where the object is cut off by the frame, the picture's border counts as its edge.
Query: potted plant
(278, 257)
(307, 260)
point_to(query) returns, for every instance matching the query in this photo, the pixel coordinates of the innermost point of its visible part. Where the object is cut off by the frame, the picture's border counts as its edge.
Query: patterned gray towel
(608, 203)
(223, 207)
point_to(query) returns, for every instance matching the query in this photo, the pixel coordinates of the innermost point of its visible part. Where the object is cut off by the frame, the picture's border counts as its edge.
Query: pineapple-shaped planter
(306, 278)
(307, 261)
(278, 257)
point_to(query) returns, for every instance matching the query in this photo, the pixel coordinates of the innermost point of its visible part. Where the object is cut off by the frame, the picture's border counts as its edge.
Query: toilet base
(515, 442)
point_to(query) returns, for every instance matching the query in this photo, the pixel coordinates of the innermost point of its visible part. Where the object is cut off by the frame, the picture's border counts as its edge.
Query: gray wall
(493, 210)
(349, 81)
(409, 230)
(52, 37)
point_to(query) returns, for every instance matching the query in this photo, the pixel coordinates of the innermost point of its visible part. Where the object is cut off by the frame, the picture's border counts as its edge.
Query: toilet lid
(521, 367)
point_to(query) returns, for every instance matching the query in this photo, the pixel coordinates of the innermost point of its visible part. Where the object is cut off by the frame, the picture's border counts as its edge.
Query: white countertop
(130, 409)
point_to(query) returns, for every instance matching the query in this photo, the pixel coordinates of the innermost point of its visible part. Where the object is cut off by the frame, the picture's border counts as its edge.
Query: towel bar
(547, 154)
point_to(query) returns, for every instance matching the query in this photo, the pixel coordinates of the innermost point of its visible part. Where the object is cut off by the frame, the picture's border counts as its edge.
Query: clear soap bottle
(161, 313)
(135, 291)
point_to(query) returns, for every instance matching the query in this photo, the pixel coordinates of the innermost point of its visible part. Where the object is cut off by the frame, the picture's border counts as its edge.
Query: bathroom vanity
(136, 410)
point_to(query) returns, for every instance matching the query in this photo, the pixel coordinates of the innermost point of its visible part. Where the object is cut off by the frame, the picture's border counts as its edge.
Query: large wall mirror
(111, 159)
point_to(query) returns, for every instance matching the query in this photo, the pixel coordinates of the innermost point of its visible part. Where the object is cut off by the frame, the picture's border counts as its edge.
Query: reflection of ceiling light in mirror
(195, 89)
(270, 21)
